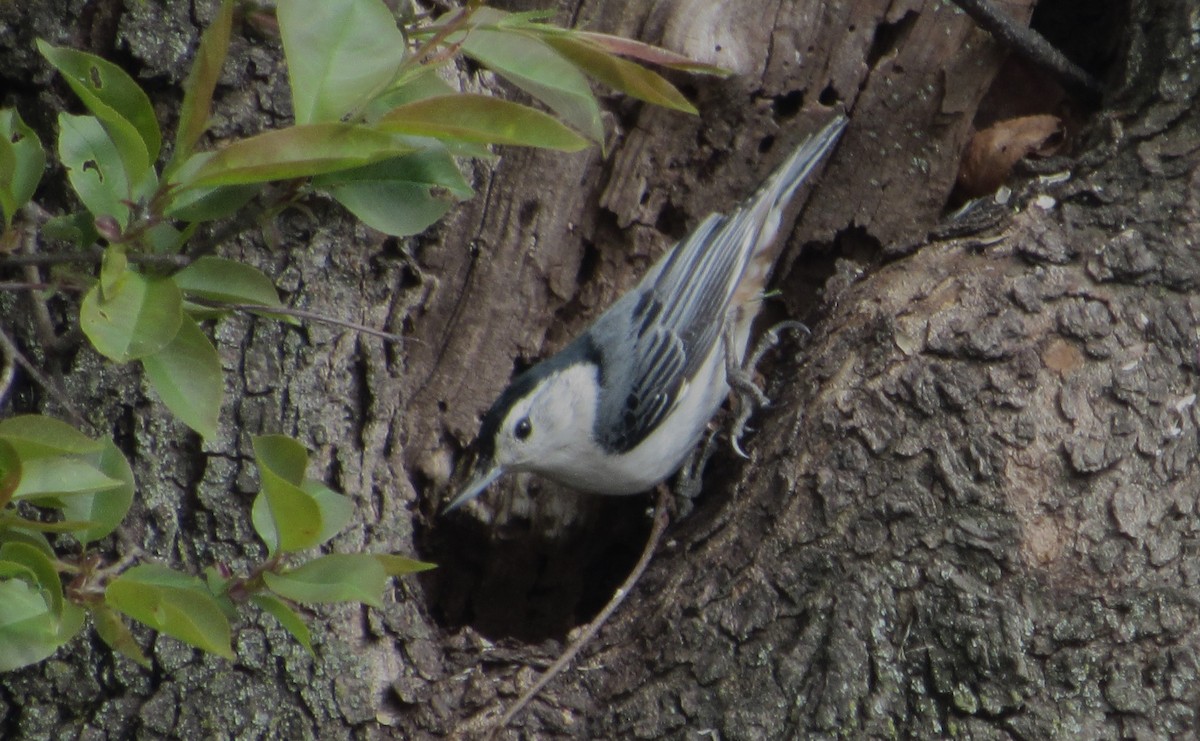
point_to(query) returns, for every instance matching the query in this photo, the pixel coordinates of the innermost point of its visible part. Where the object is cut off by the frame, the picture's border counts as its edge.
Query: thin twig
(41, 314)
(8, 372)
(1033, 47)
(660, 524)
(10, 348)
(253, 308)
(303, 314)
(35, 213)
(206, 244)
(92, 257)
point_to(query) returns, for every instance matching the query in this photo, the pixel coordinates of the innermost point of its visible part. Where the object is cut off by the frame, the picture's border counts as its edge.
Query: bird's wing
(679, 310)
(674, 325)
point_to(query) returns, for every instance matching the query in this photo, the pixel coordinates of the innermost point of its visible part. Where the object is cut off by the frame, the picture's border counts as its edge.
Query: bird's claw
(736, 444)
(750, 396)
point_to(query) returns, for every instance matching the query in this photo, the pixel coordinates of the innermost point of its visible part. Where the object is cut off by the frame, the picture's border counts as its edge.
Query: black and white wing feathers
(670, 323)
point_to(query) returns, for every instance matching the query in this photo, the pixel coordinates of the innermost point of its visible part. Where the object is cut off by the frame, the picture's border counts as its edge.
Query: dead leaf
(992, 152)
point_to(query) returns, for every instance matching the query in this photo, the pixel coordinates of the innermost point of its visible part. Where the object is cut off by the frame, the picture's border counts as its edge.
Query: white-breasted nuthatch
(618, 409)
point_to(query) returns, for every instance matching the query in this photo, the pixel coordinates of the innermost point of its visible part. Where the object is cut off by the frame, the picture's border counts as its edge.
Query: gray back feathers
(656, 336)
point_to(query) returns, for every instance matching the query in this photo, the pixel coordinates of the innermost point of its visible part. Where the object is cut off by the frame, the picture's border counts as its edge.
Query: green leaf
(287, 618)
(336, 509)
(201, 82)
(337, 577)
(22, 162)
(29, 628)
(295, 516)
(186, 374)
(11, 534)
(296, 152)
(423, 83)
(114, 267)
(481, 119)
(58, 477)
(209, 203)
(164, 239)
(78, 228)
(35, 436)
(40, 565)
(12, 570)
(114, 98)
(227, 281)
(307, 508)
(263, 521)
(339, 55)
(139, 318)
(286, 458)
(532, 65)
(100, 512)
(397, 565)
(94, 166)
(218, 586)
(114, 632)
(401, 196)
(172, 603)
(620, 74)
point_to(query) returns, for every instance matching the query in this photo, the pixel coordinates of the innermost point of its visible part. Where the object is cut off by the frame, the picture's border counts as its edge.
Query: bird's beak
(479, 482)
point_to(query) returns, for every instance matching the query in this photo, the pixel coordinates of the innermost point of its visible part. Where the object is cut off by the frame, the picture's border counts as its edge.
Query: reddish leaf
(202, 81)
(294, 152)
(991, 153)
(621, 74)
(480, 119)
(647, 53)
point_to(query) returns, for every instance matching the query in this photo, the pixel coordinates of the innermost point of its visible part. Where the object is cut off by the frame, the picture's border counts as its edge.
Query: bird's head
(542, 419)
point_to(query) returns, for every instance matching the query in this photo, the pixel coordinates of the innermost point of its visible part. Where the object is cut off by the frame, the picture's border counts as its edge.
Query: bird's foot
(690, 479)
(741, 380)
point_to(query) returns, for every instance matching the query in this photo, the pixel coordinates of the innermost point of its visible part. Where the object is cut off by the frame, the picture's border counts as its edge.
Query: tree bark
(970, 510)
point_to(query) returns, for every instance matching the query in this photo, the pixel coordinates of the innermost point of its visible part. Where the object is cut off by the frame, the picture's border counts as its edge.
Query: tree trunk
(966, 513)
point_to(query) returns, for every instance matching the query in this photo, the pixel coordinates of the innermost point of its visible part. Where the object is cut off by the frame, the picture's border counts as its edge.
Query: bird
(620, 407)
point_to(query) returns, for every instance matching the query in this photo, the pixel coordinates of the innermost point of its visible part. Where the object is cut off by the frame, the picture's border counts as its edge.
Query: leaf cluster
(54, 479)
(380, 129)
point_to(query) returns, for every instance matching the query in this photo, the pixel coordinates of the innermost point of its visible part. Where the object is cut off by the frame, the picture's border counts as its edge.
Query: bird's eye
(523, 428)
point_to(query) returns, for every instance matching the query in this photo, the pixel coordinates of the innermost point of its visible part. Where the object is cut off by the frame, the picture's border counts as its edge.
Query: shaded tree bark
(970, 511)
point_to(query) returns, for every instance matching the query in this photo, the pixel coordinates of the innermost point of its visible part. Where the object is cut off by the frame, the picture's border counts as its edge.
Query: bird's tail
(777, 192)
(761, 215)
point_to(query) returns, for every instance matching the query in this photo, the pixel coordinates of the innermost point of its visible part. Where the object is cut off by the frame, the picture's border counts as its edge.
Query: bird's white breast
(577, 461)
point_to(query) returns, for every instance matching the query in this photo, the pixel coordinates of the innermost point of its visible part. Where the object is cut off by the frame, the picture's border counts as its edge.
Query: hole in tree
(1089, 33)
(788, 105)
(889, 36)
(671, 221)
(588, 264)
(522, 582)
(828, 97)
(528, 211)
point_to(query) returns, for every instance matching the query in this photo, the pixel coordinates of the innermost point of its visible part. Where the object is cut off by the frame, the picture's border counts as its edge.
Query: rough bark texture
(971, 511)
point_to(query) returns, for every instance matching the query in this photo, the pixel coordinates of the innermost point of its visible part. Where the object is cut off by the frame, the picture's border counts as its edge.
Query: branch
(14, 354)
(8, 373)
(41, 314)
(1033, 47)
(660, 524)
(303, 314)
(92, 257)
(251, 308)
(18, 286)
